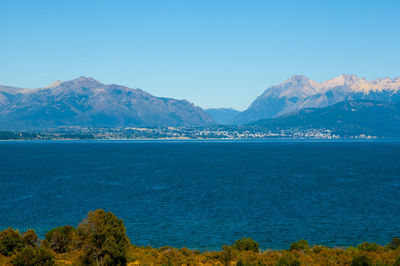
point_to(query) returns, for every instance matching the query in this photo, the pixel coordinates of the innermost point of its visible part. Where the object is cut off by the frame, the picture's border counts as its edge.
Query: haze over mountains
(87, 102)
(223, 116)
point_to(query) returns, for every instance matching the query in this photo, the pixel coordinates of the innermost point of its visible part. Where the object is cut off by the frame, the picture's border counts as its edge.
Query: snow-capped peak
(54, 84)
(341, 80)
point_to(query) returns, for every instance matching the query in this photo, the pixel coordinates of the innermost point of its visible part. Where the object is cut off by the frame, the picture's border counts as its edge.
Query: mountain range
(87, 102)
(347, 118)
(299, 92)
(346, 103)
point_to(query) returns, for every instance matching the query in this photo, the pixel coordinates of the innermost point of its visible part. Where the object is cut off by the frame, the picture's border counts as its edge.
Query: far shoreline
(210, 140)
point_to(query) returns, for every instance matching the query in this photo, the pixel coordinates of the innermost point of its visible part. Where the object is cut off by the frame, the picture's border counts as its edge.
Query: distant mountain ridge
(299, 92)
(87, 102)
(373, 118)
(223, 116)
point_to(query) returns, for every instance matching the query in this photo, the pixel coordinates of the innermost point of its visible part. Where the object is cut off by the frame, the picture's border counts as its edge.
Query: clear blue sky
(213, 53)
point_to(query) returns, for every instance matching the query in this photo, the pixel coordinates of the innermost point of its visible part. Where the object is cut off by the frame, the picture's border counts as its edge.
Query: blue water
(205, 194)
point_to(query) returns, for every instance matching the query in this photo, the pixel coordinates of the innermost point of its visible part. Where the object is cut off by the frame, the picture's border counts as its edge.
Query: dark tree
(104, 240)
(10, 242)
(299, 245)
(246, 244)
(60, 239)
(30, 238)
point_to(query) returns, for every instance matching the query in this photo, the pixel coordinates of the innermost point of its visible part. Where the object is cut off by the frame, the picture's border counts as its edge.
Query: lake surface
(205, 194)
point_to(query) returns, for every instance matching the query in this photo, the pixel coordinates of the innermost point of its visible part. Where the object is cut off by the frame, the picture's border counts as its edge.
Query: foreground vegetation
(101, 240)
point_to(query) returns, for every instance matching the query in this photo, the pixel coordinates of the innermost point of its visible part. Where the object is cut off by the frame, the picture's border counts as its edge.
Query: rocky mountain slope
(380, 119)
(87, 102)
(300, 92)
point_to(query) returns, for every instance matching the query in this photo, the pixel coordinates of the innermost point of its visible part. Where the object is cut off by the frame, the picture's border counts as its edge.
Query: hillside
(89, 103)
(300, 92)
(345, 118)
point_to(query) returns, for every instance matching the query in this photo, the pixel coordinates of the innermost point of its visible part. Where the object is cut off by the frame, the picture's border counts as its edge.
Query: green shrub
(361, 260)
(60, 239)
(104, 240)
(10, 242)
(33, 257)
(227, 254)
(246, 244)
(287, 261)
(318, 248)
(365, 246)
(186, 252)
(299, 245)
(352, 249)
(30, 238)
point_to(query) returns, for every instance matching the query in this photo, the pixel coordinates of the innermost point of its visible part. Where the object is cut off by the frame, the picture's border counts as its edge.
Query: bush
(287, 261)
(299, 245)
(227, 255)
(319, 248)
(60, 239)
(361, 260)
(30, 239)
(32, 257)
(352, 249)
(104, 240)
(10, 242)
(394, 244)
(246, 244)
(365, 246)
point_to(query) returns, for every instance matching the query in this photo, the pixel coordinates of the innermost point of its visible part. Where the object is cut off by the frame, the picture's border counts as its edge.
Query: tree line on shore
(101, 240)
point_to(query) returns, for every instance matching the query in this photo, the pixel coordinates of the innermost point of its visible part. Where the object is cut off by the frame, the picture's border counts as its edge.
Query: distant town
(185, 133)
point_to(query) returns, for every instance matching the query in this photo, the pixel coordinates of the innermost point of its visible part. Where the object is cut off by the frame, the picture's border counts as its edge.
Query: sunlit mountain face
(87, 102)
(300, 92)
